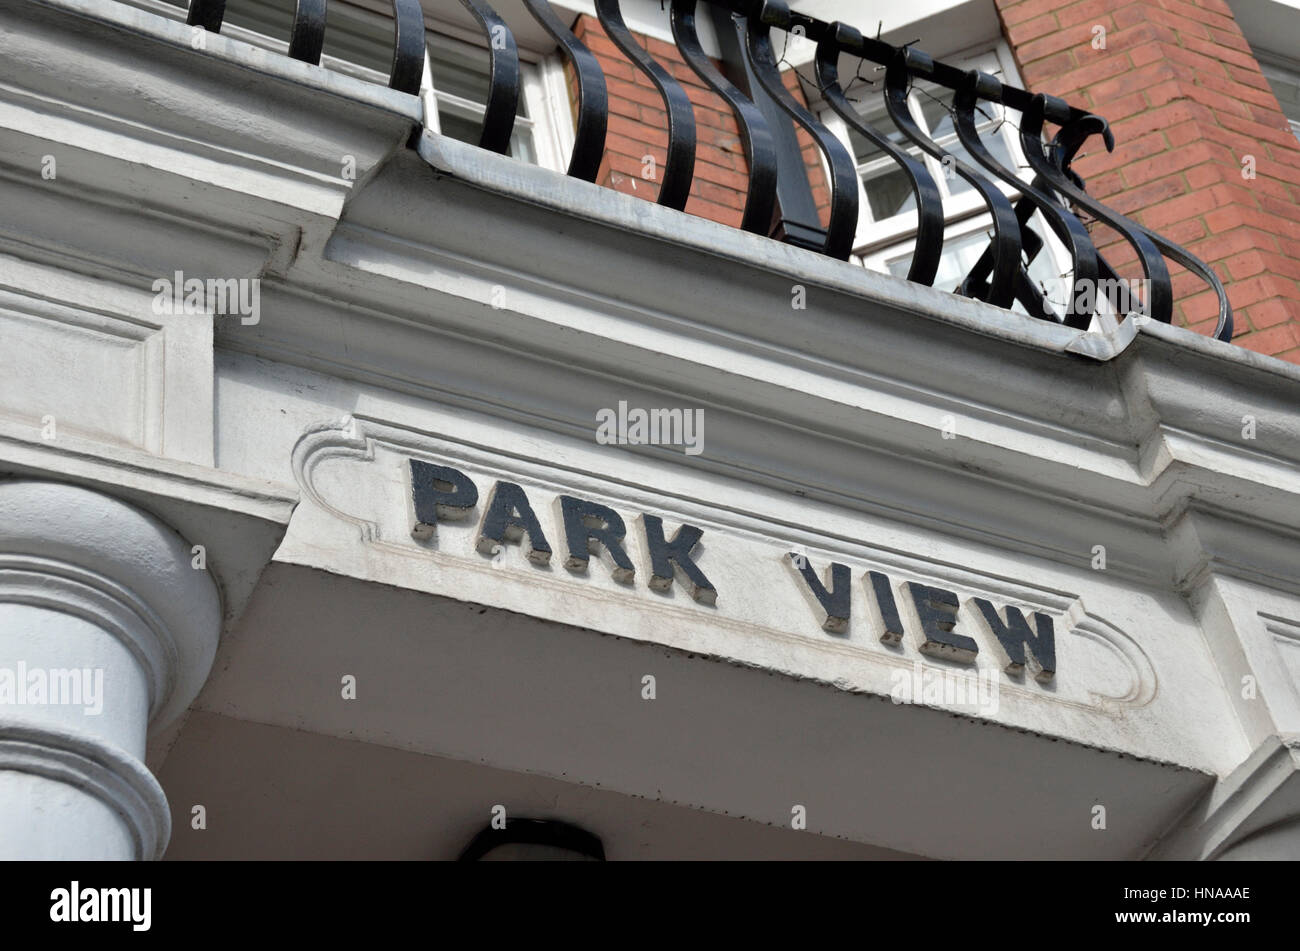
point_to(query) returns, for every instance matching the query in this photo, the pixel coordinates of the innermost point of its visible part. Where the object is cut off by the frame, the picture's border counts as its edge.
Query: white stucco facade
(217, 512)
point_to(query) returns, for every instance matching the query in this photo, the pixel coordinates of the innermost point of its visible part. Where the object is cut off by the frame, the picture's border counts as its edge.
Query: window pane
(1286, 86)
(961, 253)
(934, 108)
(463, 71)
(459, 127)
(936, 104)
(1045, 274)
(455, 125)
(521, 146)
(889, 192)
(997, 146)
(352, 35)
(459, 73)
(1043, 270)
(272, 18)
(864, 150)
(959, 256)
(360, 37)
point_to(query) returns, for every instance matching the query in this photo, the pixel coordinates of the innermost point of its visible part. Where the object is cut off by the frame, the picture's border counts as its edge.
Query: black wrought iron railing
(999, 277)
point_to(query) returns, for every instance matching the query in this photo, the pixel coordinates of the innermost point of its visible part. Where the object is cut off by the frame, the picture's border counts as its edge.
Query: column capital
(81, 552)
(91, 584)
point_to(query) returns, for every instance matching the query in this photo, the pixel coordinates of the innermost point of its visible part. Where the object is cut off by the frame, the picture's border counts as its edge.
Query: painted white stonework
(92, 586)
(467, 310)
(354, 519)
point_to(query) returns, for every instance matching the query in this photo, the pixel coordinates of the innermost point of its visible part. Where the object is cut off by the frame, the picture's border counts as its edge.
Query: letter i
(892, 624)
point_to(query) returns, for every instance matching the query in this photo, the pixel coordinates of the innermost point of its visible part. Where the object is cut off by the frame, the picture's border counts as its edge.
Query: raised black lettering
(890, 622)
(593, 529)
(936, 609)
(835, 603)
(508, 519)
(438, 492)
(673, 559)
(1014, 635)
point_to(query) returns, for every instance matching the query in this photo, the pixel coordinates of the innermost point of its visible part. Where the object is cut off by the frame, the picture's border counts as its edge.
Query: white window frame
(1277, 69)
(548, 122)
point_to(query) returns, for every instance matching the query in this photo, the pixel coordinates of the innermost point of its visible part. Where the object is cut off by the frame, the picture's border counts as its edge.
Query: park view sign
(508, 517)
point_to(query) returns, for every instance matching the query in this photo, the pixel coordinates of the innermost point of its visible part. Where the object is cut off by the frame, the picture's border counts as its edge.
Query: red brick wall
(1187, 102)
(638, 126)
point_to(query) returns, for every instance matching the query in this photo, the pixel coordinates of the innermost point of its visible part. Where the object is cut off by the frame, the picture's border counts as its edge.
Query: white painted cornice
(227, 155)
(1064, 440)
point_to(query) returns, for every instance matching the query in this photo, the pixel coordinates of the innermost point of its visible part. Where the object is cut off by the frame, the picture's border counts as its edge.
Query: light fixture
(534, 840)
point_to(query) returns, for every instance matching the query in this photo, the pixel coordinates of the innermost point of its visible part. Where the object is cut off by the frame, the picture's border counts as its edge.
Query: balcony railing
(1000, 275)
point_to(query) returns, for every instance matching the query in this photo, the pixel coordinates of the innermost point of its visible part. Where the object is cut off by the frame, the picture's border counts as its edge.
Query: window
(886, 192)
(455, 92)
(886, 233)
(359, 43)
(1285, 80)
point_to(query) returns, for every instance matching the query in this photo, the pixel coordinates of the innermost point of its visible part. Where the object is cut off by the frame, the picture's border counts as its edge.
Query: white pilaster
(106, 631)
(1254, 813)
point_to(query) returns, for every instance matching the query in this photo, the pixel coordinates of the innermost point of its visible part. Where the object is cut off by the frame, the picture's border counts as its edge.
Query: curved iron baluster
(1035, 302)
(593, 100)
(679, 164)
(408, 47)
(1067, 227)
(1002, 257)
(503, 93)
(760, 149)
(929, 203)
(1066, 145)
(207, 14)
(1160, 298)
(844, 174)
(1223, 328)
(307, 39)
